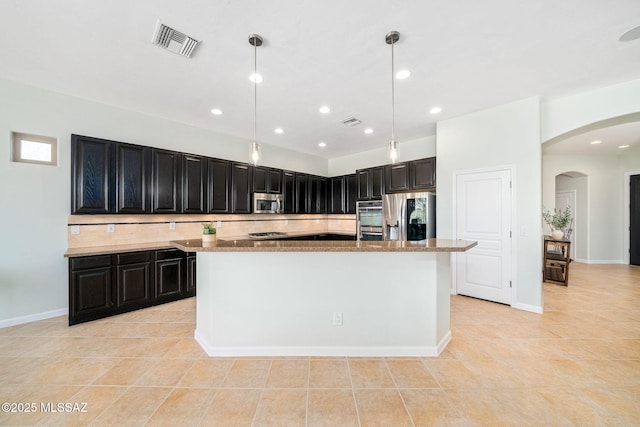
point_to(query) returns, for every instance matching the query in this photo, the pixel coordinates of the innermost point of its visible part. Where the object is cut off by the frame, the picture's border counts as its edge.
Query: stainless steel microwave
(267, 203)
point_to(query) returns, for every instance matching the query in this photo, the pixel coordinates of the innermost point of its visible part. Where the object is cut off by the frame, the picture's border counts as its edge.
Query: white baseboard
(305, 351)
(600, 261)
(33, 317)
(528, 307)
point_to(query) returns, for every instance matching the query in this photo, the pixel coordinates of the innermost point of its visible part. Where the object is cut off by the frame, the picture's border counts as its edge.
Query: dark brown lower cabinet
(105, 285)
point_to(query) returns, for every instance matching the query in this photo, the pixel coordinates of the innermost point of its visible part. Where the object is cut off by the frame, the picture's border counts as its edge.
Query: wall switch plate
(524, 231)
(219, 224)
(172, 226)
(75, 229)
(111, 228)
(337, 318)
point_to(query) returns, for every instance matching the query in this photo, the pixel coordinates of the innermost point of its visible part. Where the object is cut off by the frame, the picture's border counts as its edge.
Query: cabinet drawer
(133, 257)
(169, 254)
(90, 262)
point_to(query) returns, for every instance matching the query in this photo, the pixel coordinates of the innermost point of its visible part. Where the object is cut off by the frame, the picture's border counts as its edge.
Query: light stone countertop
(429, 245)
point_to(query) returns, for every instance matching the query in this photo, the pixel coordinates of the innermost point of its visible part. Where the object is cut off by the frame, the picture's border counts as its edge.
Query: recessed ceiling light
(435, 110)
(216, 111)
(256, 78)
(596, 142)
(624, 146)
(278, 130)
(324, 109)
(322, 144)
(368, 131)
(403, 74)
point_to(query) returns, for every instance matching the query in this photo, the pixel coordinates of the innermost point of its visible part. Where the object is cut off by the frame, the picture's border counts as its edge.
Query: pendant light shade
(391, 38)
(255, 149)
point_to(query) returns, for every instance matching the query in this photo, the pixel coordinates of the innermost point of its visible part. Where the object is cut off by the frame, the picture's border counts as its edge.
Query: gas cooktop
(267, 234)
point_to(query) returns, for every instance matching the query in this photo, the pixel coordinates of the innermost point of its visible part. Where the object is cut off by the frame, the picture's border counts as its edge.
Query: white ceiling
(463, 55)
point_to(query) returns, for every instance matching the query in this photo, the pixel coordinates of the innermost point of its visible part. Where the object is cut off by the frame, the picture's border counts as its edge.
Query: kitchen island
(323, 298)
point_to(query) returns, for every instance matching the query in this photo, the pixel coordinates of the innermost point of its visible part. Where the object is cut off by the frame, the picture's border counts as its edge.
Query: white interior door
(483, 214)
(564, 199)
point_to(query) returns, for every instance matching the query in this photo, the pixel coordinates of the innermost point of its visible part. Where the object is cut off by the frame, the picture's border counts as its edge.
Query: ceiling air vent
(174, 40)
(351, 121)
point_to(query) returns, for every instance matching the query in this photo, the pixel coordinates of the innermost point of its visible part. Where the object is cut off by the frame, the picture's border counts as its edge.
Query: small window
(35, 149)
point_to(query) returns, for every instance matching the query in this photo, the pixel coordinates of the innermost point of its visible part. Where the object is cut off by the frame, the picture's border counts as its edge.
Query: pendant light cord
(393, 104)
(255, 88)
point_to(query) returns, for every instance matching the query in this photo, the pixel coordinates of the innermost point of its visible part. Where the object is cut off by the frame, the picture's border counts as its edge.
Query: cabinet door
(90, 288)
(194, 179)
(289, 187)
(302, 193)
(191, 274)
(240, 188)
(166, 182)
(363, 184)
(397, 178)
(336, 195)
(275, 181)
(377, 182)
(93, 178)
(134, 279)
(134, 173)
(317, 194)
(260, 179)
(169, 275)
(219, 185)
(423, 174)
(350, 194)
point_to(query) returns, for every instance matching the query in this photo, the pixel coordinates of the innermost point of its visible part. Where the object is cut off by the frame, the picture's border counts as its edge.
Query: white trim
(33, 317)
(602, 261)
(528, 307)
(626, 215)
(274, 351)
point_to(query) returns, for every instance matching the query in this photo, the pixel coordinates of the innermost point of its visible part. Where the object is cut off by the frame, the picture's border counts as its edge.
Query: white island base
(285, 303)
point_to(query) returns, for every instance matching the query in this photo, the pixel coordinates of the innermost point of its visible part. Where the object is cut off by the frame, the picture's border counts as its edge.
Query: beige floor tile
(126, 371)
(183, 406)
(432, 408)
(370, 373)
(480, 407)
(145, 347)
(282, 407)
(72, 371)
(575, 405)
(288, 374)
(232, 407)
(41, 394)
(206, 373)
(493, 373)
(381, 408)
(331, 407)
(134, 407)
(247, 373)
(165, 372)
(186, 348)
(329, 373)
(452, 373)
(411, 373)
(621, 404)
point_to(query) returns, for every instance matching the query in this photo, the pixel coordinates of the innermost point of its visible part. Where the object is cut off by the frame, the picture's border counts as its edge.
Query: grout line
(353, 392)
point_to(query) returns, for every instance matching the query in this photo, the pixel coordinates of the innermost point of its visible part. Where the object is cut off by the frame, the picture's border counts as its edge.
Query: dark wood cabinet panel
(289, 191)
(302, 193)
(93, 178)
(337, 195)
(370, 183)
(317, 194)
(350, 193)
(377, 182)
(168, 279)
(397, 178)
(363, 186)
(241, 188)
(219, 186)
(267, 180)
(167, 181)
(275, 181)
(194, 184)
(134, 280)
(90, 288)
(423, 174)
(134, 173)
(191, 274)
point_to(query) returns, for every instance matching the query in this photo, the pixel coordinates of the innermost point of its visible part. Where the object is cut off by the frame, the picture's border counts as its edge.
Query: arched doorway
(572, 190)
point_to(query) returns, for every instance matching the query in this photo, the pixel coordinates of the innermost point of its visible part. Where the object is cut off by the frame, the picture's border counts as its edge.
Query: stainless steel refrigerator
(409, 216)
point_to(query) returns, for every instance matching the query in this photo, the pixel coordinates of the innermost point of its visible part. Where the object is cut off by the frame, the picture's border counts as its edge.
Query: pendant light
(255, 149)
(391, 39)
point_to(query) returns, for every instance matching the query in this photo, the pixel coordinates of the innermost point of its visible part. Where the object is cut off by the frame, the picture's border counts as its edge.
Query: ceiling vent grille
(351, 121)
(174, 40)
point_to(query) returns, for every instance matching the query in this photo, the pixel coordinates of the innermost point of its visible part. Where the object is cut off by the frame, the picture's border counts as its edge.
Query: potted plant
(559, 220)
(208, 233)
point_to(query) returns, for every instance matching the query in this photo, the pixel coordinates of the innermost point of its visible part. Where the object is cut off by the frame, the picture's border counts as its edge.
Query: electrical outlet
(111, 228)
(75, 229)
(337, 318)
(219, 224)
(172, 226)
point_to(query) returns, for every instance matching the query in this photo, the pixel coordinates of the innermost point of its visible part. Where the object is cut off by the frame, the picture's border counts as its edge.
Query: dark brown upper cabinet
(267, 180)
(370, 183)
(219, 186)
(134, 176)
(194, 184)
(350, 192)
(397, 178)
(289, 191)
(93, 178)
(317, 194)
(241, 188)
(166, 184)
(337, 195)
(423, 174)
(302, 193)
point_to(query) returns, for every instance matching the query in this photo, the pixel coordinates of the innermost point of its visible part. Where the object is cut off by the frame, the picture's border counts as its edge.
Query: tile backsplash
(132, 229)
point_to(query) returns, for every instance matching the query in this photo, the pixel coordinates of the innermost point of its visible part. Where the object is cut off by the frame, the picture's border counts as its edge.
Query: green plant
(559, 220)
(208, 228)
